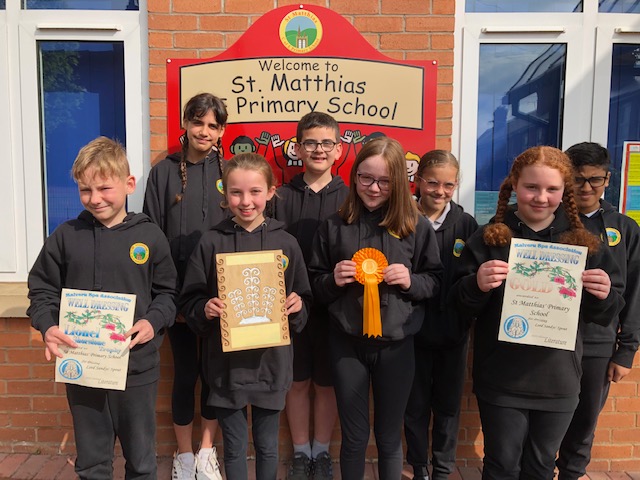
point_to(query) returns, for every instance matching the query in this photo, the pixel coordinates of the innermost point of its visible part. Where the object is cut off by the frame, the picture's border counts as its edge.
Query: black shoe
(322, 467)
(300, 468)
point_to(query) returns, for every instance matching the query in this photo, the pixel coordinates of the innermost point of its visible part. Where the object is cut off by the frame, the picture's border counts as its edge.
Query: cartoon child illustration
(242, 144)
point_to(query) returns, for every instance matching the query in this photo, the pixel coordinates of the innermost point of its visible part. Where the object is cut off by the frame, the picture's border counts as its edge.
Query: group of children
(436, 274)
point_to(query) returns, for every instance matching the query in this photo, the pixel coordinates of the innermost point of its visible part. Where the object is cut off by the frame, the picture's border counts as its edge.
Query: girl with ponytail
(183, 196)
(527, 394)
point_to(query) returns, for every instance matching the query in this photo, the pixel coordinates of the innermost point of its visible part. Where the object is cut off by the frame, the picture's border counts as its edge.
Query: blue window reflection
(619, 6)
(82, 92)
(520, 104)
(624, 105)
(2, 5)
(493, 6)
(81, 4)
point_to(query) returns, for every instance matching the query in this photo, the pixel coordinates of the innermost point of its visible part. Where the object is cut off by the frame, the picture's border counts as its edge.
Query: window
(81, 4)
(502, 6)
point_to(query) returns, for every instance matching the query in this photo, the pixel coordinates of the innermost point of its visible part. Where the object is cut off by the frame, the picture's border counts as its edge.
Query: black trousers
(99, 416)
(186, 347)
(520, 444)
(575, 450)
(385, 368)
(437, 390)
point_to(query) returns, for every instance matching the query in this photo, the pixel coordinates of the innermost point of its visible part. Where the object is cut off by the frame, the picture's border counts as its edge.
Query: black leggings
(387, 368)
(186, 347)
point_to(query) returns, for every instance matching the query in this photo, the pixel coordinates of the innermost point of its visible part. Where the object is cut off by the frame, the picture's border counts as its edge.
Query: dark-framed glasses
(432, 185)
(367, 180)
(595, 182)
(312, 145)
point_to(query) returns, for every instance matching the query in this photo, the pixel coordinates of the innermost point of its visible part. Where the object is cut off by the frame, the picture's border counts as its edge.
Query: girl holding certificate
(373, 264)
(527, 394)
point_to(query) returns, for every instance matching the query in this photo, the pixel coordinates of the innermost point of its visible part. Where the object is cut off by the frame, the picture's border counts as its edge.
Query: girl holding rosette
(527, 393)
(373, 264)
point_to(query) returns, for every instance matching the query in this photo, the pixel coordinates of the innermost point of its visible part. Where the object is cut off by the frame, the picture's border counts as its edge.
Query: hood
(129, 221)
(559, 225)
(335, 184)
(452, 217)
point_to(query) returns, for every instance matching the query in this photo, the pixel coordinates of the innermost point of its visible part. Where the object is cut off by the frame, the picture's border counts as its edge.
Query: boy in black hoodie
(95, 252)
(302, 205)
(608, 350)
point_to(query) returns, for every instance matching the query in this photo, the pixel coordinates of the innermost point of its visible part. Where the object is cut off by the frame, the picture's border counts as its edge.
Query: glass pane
(619, 6)
(482, 6)
(81, 4)
(82, 95)
(624, 105)
(2, 5)
(520, 103)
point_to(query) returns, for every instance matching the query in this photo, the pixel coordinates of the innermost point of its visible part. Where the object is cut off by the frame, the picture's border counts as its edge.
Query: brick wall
(34, 416)
(33, 411)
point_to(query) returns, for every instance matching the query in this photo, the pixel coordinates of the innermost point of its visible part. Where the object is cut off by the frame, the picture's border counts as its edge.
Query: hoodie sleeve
(465, 295)
(45, 282)
(199, 286)
(162, 310)
(602, 312)
(629, 332)
(153, 201)
(321, 267)
(297, 281)
(426, 268)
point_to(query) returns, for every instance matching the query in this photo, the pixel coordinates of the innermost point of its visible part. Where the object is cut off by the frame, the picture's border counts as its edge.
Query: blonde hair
(438, 158)
(401, 213)
(498, 234)
(107, 157)
(248, 161)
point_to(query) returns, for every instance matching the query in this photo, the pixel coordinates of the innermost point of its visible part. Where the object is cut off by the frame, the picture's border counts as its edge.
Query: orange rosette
(369, 266)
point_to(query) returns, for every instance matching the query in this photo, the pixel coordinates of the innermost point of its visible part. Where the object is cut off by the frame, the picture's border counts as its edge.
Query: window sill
(13, 300)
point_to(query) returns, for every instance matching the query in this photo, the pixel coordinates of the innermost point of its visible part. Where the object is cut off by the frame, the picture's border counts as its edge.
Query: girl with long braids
(527, 394)
(183, 196)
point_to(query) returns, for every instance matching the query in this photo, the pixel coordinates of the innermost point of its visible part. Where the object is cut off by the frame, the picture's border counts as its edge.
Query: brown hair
(401, 213)
(248, 161)
(438, 158)
(106, 156)
(197, 107)
(498, 234)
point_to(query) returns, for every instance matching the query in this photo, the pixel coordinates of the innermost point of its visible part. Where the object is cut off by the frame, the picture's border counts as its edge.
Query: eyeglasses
(432, 185)
(595, 182)
(367, 180)
(312, 145)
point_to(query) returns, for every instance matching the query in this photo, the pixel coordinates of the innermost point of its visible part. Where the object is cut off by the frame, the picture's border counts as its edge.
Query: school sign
(295, 60)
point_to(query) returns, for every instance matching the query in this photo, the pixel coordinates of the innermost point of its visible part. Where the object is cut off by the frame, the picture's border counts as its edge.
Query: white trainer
(207, 465)
(182, 470)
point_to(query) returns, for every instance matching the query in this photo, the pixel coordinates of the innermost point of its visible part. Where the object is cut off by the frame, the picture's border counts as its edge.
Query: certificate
(251, 285)
(542, 294)
(97, 322)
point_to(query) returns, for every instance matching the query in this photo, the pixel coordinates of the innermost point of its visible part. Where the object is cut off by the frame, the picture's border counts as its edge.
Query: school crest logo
(516, 326)
(219, 186)
(70, 369)
(285, 262)
(613, 236)
(139, 253)
(300, 31)
(458, 246)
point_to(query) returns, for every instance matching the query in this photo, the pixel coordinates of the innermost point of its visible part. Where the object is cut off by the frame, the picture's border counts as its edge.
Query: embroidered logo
(300, 31)
(613, 236)
(285, 262)
(139, 253)
(458, 246)
(219, 186)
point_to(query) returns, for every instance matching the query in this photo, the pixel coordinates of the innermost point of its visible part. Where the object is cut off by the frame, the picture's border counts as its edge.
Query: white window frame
(589, 37)
(25, 28)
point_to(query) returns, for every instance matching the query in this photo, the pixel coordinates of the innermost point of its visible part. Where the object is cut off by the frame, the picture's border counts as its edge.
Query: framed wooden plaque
(251, 285)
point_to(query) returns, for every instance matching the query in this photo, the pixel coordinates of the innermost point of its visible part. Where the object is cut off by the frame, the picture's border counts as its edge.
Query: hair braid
(578, 235)
(498, 234)
(183, 171)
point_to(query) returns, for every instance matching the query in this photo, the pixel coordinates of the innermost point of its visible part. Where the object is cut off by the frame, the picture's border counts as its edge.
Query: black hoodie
(525, 376)
(402, 312)
(262, 376)
(85, 255)
(443, 326)
(622, 235)
(184, 221)
(302, 210)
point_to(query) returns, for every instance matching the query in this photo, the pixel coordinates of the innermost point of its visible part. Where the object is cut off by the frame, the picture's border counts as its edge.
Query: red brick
(197, 6)
(171, 23)
(10, 464)
(32, 419)
(19, 434)
(198, 40)
(379, 24)
(224, 23)
(22, 339)
(30, 387)
(616, 419)
(52, 469)
(25, 355)
(31, 466)
(627, 404)
(442, 42)
(46, 403)
(430, 24)
(363, 7)
(612, 451)
(161, 39)
(403, 41)
(248, 6)
(405, 7)
(160, 56)
(443, 7)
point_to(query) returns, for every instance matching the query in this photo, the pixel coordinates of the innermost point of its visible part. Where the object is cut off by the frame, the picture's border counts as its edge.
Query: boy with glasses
(608, 351)
(303, 204)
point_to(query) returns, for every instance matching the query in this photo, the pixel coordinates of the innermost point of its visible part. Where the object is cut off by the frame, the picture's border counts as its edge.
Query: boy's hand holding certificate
(542, 294)
(97, 322)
